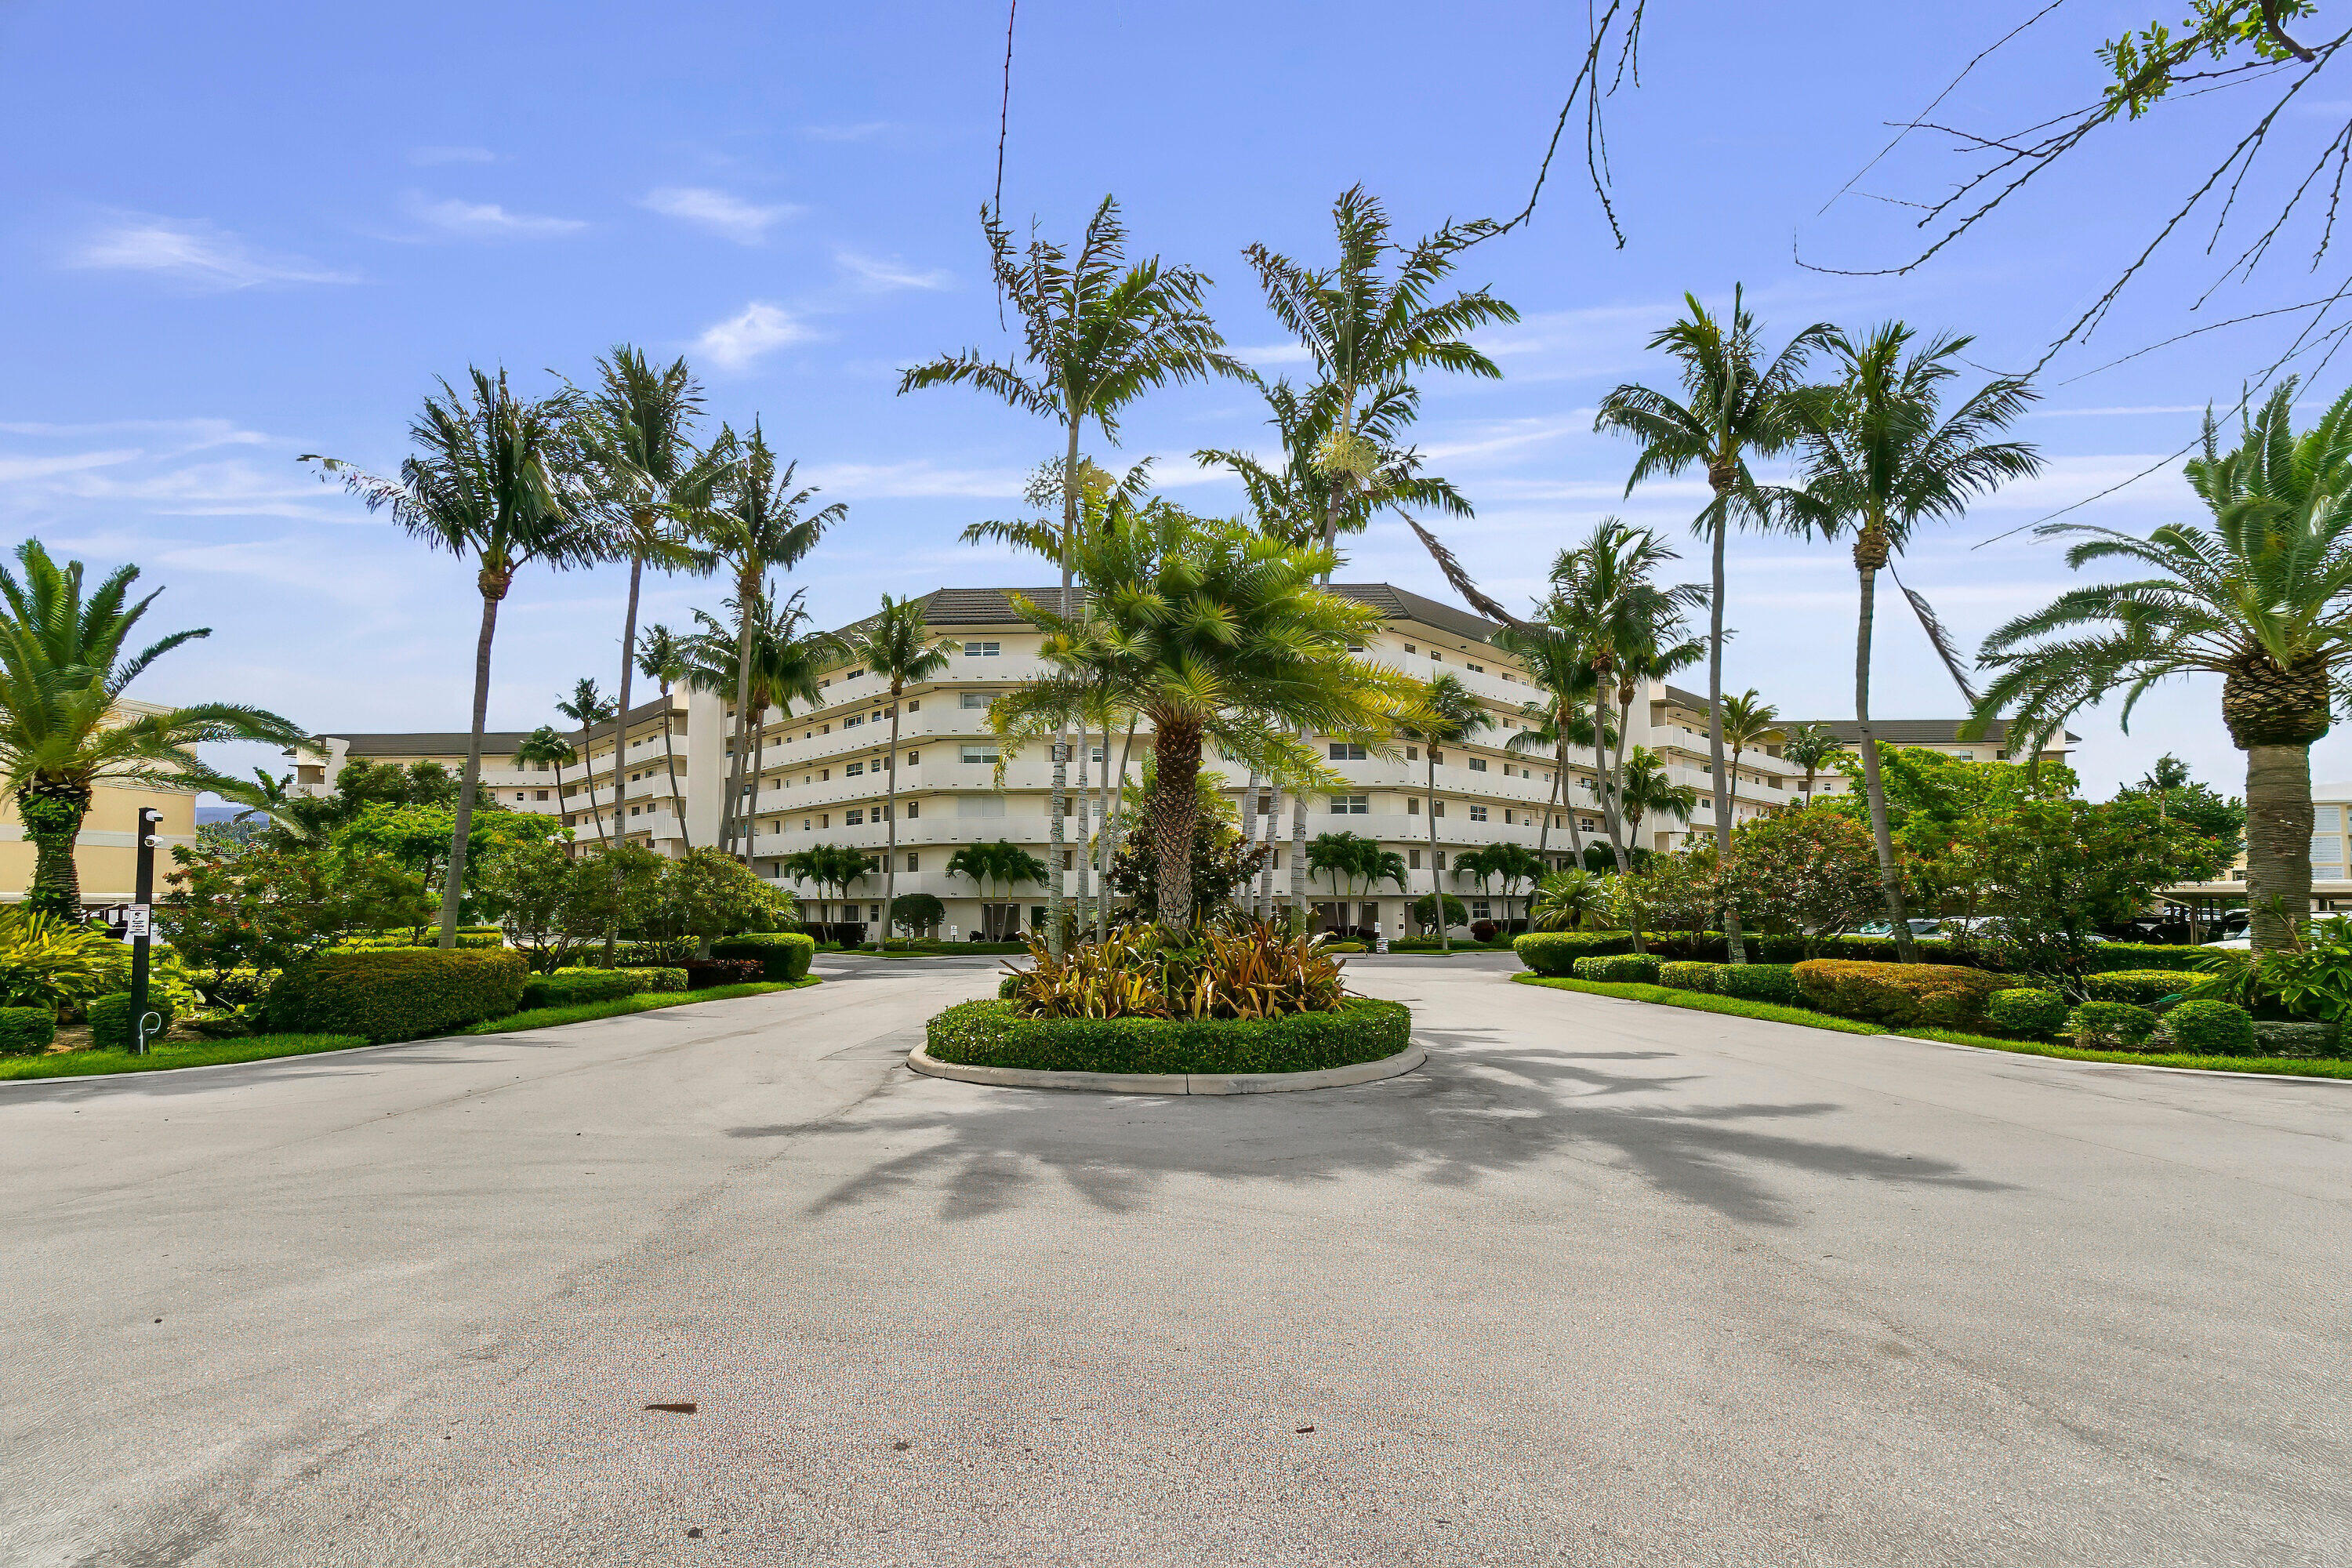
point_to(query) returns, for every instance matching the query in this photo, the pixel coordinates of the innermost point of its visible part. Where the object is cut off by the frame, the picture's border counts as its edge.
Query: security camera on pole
(142, 927)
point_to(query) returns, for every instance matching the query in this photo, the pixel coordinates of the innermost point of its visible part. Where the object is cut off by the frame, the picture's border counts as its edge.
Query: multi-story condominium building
(823, 770)
(106, 853)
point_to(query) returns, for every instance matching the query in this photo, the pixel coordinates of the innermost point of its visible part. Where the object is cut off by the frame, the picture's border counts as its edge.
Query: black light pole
(143, 923)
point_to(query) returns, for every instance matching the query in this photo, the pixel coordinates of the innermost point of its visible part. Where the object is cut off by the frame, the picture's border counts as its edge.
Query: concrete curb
(1404, 1061)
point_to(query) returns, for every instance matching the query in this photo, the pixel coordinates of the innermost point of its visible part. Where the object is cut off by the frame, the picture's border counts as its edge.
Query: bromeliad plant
(54, 964)
(1225, 969)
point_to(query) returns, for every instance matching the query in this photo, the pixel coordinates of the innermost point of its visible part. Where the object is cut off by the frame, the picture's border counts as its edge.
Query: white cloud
(192, 251)
(740, 339)
(918, 477)
(429, 157)
(729, 216)
(879, 275)
(16, 471)
(488, 220)
(864, 132)
(1273, 353)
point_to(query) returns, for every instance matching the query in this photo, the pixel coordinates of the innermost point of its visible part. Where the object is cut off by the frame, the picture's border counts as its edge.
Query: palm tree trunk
(588, 781)
(1108, 798)
(494, 588)
(1890, 878)
(1436, 880)
(732, 808)
(1174, 806)
(1724, 788)
(1084, 857)
(669, 765)
(1058, 833)
(52, 814)
(890, 794)
(1265, 864)
(621, 724)
(2278, 842)
(1601, 776)
(1298, 860)
(559, 789)
(1250, 816)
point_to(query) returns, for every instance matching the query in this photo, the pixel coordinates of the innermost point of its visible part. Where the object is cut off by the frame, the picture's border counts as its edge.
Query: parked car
(1921, 925)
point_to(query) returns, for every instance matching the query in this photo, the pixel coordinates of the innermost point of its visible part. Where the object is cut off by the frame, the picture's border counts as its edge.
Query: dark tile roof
(452, 743)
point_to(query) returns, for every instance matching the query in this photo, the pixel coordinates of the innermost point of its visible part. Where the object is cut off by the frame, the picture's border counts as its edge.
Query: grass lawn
(1740, 1008)
(262, 1047)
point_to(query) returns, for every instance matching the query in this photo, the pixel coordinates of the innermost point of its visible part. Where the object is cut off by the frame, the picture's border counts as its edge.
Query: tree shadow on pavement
(1486, 1103)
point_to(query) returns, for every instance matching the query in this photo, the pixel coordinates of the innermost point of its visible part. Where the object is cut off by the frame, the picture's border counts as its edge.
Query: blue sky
(237, 234)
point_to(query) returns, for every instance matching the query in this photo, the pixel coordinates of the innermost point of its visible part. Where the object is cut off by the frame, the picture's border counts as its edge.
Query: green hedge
(1622, 969)
(2295, 1040)
(2111, 956)
(2022, 1010)
(781, 955)
(658, 979)
(2111, 1026)
(569, 987)
(1556, 952)
(113, 1029)
(1774, 982)
(1949, 995)
(1691, 974)
(2142, 987)
(2210, 1029)
(990, 1034)
(396, 994)
(23, 1030)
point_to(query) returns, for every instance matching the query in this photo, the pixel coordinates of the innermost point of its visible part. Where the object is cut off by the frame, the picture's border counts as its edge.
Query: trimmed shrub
(2293, 1039)
(658, 979)
(2210, 1029)
(1636, 968)
(2111, 1026)
(1686, 974)
(1006, 987)
(1944, 995)
(780, 956)
(114, 1028)
(703, 974)
(1344, 947)
(990, 1034)
(2141, 988)
(23, 1030)
(2024, 1011)
(1762, 983)
(1556, 952)
(396, 994)
(2111, 956)
(570, 987)
(1484, 930)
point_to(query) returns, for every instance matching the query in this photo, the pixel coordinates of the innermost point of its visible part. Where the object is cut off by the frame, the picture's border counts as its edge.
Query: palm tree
(634, 433)
(2256, 597)
(1647, 789)
(1808, 746)
(1447, 715)
(493, 480)
(544, 745)
(1337, 856)
(1743, 721)
(1002, 861)
(1883, 459)
(64, 666)
(588, 707)
(1733, 409)
(829, 866)
(898, 646)
(1557, 665)
(1096, 333)
(762, 524)
(783, 663)
(664, 656)
(1511, 863)
(271, 797)
(1565, 900)
(1225, 640)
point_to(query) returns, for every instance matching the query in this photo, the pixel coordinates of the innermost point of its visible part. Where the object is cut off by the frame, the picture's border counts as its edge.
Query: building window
(1413, 805)
(824, 822)
(633, 811)
(1351, 804)
(1477, 765)
(914, 861)
(854, 721)
(980, 806)
(1347, 752)
(2326, 818)
(541, 795)
(1412, 860)
(914, 809)
(1410, 649)
(980, 755)
(913, 758)
(1413, 753)
(1507, 818)
(914, 707)
(823, 774)
(1478, 670)
(1070, 860)
(855, 819)
(1438, 860)
(984, 650)
(853, 770)
(1477, 814)
(1437, 809)
(1482, 911)
(977, 700)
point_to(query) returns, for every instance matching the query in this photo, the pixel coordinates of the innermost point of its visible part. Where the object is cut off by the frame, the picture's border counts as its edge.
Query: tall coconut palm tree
(764, 521)
(1227, 641)
(1808, 746)
(1447, 715)
(588, 707)
(1734, 406)
(494, 477)
(1883, 459)
(2257, 596)
(766, 654)
(64, 662)
(1746, 719)
(544, 745)
(635, 434)
(898, 644)
(1339, 857)
(1646, 789)
(663, 656)
(1558, 666)
(1096, 333)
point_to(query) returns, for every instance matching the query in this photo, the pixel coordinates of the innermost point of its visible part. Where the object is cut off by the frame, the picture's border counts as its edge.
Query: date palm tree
(1746, 719)
(635, 436)
(494, 477)
(1808, 746)
(1096, 333)
(588, 707)
(764, 521)
(1447, 715)
(898, 644)
(1883, 459)
(663, 656)
(1734, 406)
(544, 745)
(1565, 900)
(2257, 596)
(64, 662)
(1225, 640)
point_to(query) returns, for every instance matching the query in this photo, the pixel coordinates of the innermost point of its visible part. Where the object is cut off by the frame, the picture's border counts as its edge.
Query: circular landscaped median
(989, 1042)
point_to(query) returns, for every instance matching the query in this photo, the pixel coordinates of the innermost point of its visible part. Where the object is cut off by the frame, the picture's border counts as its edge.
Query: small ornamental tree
(1223, 862)
(417, 838)
(2056, 871)
(1814, 870)
(708, 894)
(271, 906)
(551, 904)
(915, 913)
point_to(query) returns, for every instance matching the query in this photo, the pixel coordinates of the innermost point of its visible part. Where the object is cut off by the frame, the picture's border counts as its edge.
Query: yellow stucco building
(106, 852)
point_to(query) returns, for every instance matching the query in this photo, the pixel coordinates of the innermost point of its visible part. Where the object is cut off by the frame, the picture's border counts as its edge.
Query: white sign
(138, 921)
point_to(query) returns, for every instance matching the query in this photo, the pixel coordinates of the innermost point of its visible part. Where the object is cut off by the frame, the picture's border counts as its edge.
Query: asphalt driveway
(1603, 1284)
